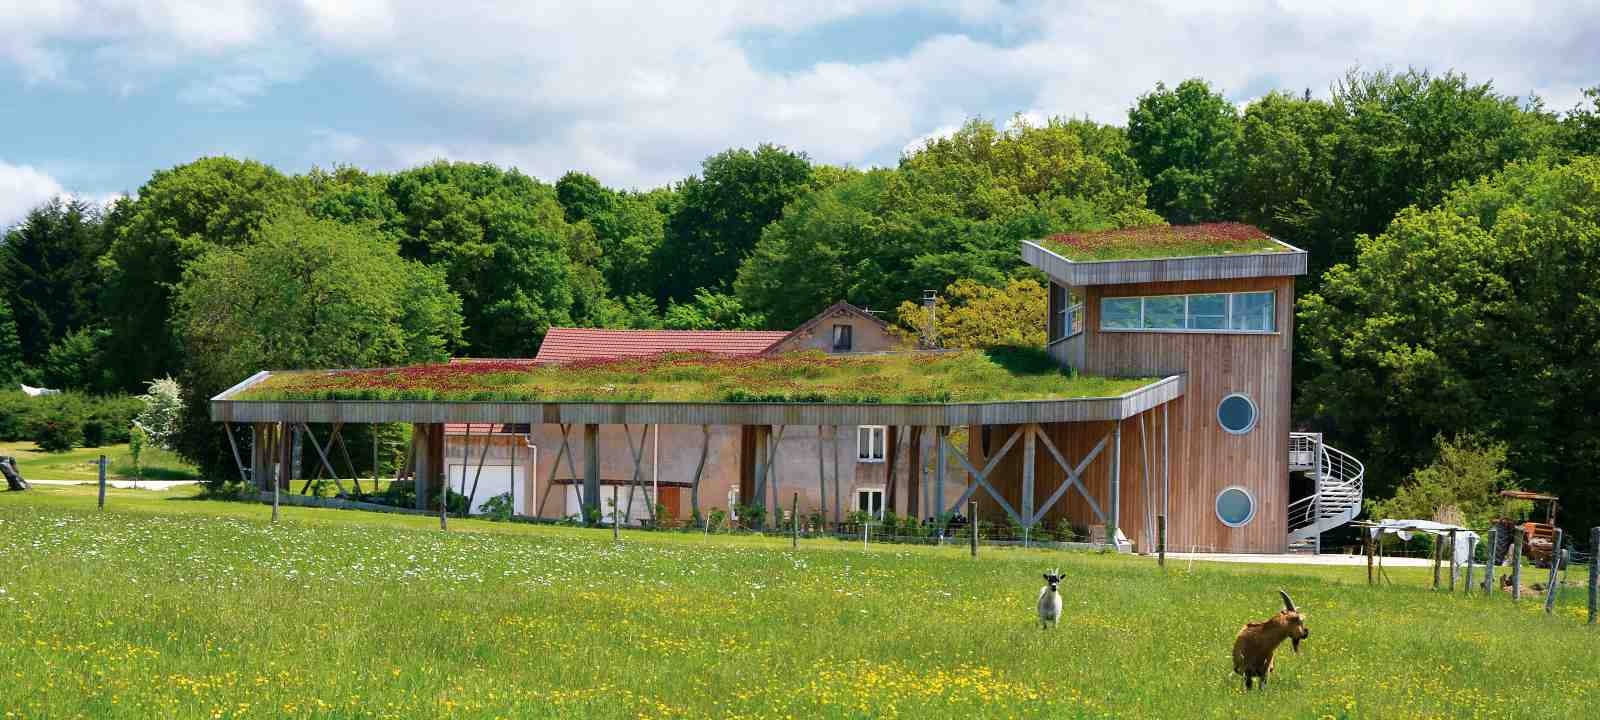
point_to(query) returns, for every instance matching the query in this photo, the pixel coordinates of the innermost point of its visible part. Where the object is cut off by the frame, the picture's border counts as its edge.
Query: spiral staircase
(1337, 499)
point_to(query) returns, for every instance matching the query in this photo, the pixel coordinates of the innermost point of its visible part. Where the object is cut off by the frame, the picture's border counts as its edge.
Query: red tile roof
(568, 344)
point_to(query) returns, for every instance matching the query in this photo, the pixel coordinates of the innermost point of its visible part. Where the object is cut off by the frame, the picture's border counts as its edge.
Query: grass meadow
(170, 606)
(79, 463)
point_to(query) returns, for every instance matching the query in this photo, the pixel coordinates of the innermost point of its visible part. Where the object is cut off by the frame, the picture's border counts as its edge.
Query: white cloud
(21, 189)
(639, 93)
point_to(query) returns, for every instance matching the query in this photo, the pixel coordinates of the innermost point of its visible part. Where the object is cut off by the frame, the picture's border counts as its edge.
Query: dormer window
(842, 337)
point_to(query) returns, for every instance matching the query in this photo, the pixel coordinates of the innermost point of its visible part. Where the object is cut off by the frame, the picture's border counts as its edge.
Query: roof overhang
(1090, 409)
(1290, 262)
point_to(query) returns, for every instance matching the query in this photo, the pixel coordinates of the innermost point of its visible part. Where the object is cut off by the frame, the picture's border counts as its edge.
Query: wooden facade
(1204, 458)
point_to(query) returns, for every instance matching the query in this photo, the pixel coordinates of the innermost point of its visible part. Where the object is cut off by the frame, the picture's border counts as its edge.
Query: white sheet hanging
(1404, 529)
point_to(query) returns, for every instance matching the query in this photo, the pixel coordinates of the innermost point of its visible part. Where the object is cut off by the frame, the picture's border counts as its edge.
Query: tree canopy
(954, 209)
(1479, 315)
(1183, 139)
(720, 215)
(309, 293)
(51, 281)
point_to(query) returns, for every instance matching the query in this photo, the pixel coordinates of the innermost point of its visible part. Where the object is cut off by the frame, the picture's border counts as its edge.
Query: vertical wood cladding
(1204, 458)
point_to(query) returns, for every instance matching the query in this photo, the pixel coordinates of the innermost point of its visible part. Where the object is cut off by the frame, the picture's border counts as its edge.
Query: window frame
(1067, 320)
(1255, 506)
(849, 337)
(870, 490)
(1255, 414)
(864, 451)
(1188, 315)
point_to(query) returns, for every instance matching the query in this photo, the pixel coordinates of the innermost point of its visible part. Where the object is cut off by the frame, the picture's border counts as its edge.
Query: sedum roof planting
(801, 377)
(1164, 241)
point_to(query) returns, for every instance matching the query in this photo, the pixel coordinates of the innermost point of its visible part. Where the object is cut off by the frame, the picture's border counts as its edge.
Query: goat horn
(1287, 603)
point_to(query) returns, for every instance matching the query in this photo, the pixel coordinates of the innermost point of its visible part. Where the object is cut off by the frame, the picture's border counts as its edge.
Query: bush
(102, 420)
(15, 416)
(497, 508)
(58, 430)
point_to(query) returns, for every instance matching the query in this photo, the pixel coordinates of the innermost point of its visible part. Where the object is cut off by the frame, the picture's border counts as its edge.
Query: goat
(1050, 600)
(1253, 648)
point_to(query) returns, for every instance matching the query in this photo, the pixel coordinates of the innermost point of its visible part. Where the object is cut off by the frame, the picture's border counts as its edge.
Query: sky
(95, 95)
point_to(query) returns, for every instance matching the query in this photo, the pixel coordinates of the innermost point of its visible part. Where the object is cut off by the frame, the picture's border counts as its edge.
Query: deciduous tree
(1478, 315)
(308, 293)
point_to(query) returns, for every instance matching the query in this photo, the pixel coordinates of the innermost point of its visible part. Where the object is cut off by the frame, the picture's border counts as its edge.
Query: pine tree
(10, 347)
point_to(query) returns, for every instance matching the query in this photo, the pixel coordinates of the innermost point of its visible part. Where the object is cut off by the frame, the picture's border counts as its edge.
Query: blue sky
(97, 94)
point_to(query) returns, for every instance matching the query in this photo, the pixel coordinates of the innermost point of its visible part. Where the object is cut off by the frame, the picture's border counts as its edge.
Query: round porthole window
(1237, 414)
(1235, 506)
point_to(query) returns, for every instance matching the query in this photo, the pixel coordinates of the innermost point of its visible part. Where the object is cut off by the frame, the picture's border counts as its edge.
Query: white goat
(1050, 599)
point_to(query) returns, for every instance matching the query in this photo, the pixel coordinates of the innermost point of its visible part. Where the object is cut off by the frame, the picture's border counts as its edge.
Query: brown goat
(1253, 648)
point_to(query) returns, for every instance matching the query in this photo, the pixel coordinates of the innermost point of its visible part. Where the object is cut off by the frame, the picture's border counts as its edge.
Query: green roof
(802, 377)
(1163, 241)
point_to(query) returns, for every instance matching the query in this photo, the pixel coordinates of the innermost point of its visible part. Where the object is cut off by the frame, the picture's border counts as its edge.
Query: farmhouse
(1163, 391)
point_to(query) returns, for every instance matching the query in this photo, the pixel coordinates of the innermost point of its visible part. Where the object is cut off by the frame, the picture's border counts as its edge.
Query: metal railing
(1340, 482)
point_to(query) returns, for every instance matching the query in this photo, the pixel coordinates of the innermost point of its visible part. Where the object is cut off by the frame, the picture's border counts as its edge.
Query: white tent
(36, 392)
(1404, 528)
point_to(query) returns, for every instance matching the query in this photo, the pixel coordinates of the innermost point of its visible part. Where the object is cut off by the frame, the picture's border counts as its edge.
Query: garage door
(496, 480)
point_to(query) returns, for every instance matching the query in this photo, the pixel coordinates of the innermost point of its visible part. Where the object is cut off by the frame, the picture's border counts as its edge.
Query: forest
(1453, 231)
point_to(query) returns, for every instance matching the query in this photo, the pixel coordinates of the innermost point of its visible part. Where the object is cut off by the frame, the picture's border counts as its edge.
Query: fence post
(1161, 540)
(1555, 580)
(1516, 565)
(616, 518)
(794, 520)
(102, 465)
(1472, 551)
(1594, 573)
(972, 525)
(1366, 544)
(1488, 567)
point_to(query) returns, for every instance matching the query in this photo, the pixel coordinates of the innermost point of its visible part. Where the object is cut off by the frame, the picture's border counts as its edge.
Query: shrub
(58, 430)
(498, 508)
(15, 415)
(162, 411)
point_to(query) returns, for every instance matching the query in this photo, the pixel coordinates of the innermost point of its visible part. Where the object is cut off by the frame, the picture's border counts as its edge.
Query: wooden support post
(591, 472)
(1437, 557)
(1594, 574)
(758, 485)
(375, 488)
(1455, 569)
(227, 429)
(1472, 551)
(419, 470)
(1488, 567)
(1028, 454)
(102, 466)
(1516, 564)
(1555, 580)
(616, 517)
(822, 479)
(1114, 492)
(699, 471)
(794, 521)
(838, 504)
(939, 469)
(1366, 546)
(1161, 540)
(972, 525)
(283, 445)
